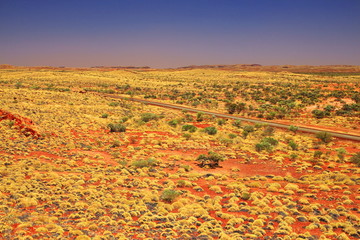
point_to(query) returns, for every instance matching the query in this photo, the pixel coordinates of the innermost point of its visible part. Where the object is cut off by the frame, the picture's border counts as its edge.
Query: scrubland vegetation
(77, 165)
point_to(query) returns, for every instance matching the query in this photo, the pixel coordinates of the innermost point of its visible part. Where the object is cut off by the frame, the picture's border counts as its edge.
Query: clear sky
(173, 33)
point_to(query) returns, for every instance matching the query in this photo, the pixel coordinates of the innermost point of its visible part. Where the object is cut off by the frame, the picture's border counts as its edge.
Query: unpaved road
(222, 115)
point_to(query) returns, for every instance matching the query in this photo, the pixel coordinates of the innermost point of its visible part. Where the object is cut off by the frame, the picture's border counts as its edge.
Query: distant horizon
(171, 34)
(185, 66)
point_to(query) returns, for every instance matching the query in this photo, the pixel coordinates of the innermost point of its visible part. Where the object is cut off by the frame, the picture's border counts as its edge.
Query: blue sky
(172, 33)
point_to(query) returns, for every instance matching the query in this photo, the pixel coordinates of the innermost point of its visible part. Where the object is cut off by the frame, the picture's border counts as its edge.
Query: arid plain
(75, 164)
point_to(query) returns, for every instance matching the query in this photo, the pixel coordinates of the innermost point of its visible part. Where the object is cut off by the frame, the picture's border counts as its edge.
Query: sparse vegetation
(164, 177)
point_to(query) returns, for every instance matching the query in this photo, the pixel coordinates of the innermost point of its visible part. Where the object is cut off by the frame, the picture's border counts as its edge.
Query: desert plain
(77, 164)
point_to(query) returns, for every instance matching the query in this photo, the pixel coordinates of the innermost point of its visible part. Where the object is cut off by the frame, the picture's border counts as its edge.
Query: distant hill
(280, 68)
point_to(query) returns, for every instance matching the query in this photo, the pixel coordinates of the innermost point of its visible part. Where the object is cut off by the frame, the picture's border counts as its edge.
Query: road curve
(222, 115)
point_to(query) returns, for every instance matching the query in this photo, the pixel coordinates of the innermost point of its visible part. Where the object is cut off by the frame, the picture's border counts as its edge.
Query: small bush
(124, 119)
(144, 163)
(293, 129)
(245, 195)
(247, 129)
(320, 114)
(114, 104)
(341, 153)
(189, 128)
(116, 127)
(325, 137)
(105, 115)
(356, 159)
(169, 195)
(186, 167)
(210, 130)
(293, 145)
(187, 136)
(266, 144)
(211, 160)
(173, 123)
(221, 121)
(268, 131)
(181, 183)
(199, 116)
(237, 123)
(293, 156)
(317, 154)
(146, 117)
(232, 135)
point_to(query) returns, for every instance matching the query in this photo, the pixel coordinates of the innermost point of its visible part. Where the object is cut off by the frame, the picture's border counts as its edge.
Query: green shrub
(186, 167)
(232, 135)
(199, 116)
(18, 85)
(117, 127)
(356, 159)
(114, 104)
(320, 114)
(189, 128)
(150, 162)
(221, 121)
(245, 196)
(210, 130)
(169, 195)
(181, 183)
(247, 129)
(226, 141)
(324, 137)
(293, 145)
(341, 153)
(293, 129)
(146, 117)
(268, 131)
(317, 154)
(124, 119)
(187, 136)
(237, 123)
(266, 144)
(173, 123)
(211, 160)
(105, 115)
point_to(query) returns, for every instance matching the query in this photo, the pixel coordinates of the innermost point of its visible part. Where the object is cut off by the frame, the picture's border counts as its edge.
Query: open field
(77, 165)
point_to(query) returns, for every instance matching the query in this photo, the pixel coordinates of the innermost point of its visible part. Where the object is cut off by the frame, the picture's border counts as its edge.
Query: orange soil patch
(24, 124)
